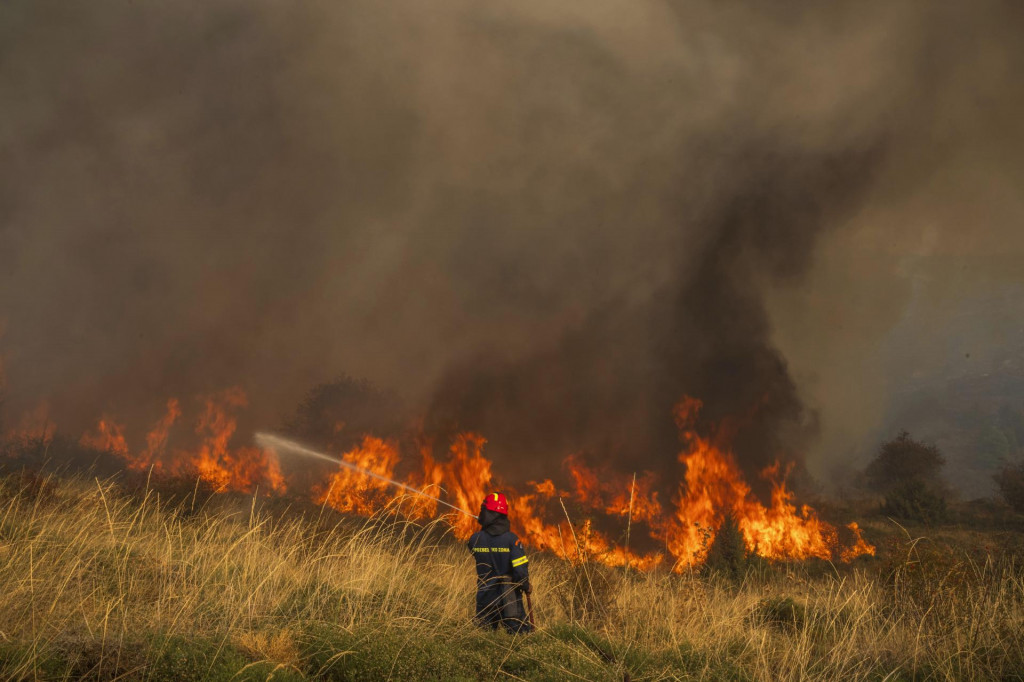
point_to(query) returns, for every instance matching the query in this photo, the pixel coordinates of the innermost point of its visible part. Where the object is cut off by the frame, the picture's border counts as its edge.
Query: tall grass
(99, 582)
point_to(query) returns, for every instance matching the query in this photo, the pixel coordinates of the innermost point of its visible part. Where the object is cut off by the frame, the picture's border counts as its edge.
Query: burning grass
(99, 581)
(679, 531)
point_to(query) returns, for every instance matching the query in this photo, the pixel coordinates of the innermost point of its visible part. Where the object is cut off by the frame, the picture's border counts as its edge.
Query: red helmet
(496, 502)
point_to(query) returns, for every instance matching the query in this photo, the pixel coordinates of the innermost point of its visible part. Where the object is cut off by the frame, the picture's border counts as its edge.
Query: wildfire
(711, 488)
(348, 490)
(244, 469)
(108, 436)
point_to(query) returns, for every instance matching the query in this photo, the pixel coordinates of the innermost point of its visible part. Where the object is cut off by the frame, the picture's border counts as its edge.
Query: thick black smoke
(545, 221)
(607, 387)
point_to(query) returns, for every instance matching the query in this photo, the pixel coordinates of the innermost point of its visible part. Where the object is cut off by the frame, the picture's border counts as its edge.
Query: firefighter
(502, 574)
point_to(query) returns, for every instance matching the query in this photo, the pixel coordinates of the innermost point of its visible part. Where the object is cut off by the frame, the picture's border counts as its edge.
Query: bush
(915, 501)
(1010, 482)
(906, 472)
(904, 460)
(728, 555)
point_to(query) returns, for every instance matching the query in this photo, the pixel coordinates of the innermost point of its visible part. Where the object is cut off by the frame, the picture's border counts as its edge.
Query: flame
(640, 503)
(351, 491)
(109, 436)
(713, 486)
(244, 469)
(860, 546)
(605, 504)
(156, 439)
(466, 478)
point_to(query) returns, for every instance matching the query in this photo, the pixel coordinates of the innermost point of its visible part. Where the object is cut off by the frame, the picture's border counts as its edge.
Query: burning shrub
(1010, 482)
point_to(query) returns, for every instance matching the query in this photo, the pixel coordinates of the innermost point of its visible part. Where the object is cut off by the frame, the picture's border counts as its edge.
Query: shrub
(915, 501)
(904, 460)
(906, 472)
(728, 555)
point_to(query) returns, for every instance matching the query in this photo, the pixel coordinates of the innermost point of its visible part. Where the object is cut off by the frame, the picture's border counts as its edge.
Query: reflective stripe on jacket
(497, 557)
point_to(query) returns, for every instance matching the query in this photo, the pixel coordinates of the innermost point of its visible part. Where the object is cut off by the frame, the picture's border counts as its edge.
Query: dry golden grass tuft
(100, 583)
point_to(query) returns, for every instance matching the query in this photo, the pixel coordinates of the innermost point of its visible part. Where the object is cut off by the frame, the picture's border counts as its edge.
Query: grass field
(100, 580)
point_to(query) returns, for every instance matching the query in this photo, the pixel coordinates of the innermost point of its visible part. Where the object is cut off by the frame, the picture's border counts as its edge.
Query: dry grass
(96, 582)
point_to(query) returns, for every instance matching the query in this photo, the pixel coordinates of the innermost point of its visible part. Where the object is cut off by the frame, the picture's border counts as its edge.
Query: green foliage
(1010, 482)
(728, 556)
(332, 653)
(18, 661)
(561, 652)
(904, 460)
(180, 658)
(916, 501)
(157, 659)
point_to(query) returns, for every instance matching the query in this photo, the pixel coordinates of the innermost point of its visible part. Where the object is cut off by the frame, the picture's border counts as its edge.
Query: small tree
(907, 472)
(728, 554)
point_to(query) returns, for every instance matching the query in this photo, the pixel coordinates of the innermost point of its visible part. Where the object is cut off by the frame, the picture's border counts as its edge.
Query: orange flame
(244, 469)
(109, 436)
(711, 488)
(156, 439)
(348, 490)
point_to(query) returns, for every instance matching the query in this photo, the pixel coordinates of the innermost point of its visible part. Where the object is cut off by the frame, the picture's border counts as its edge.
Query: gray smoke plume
(545, 221)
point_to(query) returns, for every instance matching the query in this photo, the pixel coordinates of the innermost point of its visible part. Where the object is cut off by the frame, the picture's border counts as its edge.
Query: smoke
(544, 221)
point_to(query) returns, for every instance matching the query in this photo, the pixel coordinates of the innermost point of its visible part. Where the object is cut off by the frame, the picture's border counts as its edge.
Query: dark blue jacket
(502, 571)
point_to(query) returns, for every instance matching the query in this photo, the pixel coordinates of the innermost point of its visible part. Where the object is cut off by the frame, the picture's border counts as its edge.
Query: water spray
(278, 444)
